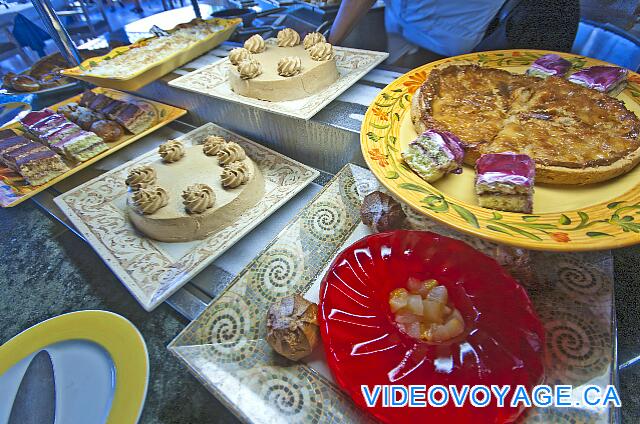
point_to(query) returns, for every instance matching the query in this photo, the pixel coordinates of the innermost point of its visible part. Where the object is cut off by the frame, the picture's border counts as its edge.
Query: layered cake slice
(87, 98)
(607, 79)
(549, 65)
(11, 143)
(80, 146)
(135, 117)
(433, 154)
(504, 181)
(36, 163)
(64, 136)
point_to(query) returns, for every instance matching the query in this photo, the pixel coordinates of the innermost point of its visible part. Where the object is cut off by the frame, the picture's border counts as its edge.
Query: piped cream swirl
(231, 152)
(289, 66)
(197, 198)
(148, 200)
(288, 38)
(141, 176)
(212, 145)
(255, 44)
(321, 52)
(239, 54)
(234, 174)
(171, 151)
(312, 39)
(249, 68)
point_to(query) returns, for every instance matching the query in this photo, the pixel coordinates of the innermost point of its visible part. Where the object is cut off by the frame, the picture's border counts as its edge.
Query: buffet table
(335, 135)
(326, 142)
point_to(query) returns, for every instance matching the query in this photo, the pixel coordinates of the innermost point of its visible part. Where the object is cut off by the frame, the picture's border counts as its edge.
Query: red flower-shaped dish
(502, 343)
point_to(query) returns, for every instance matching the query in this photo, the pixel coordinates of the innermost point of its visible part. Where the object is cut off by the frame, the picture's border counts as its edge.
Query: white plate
(100, 367)
(151, 270)
(212, 80)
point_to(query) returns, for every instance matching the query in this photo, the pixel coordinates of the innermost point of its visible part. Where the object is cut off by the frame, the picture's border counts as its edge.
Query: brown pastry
(107, 130)
(52, 79)
(6, 80)
(292, 327)
(25, 83)
(69, 110)
(515, 261)
(381, 212)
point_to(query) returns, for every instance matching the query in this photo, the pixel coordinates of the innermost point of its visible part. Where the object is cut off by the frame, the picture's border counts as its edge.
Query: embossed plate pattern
(152, 270)
(225, 347)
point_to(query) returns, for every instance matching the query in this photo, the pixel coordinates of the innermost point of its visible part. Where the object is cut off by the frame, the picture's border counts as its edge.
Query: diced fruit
(413, 329)
(439, 294)
(398, 299)
(433, 311)
(403, 317)
(413, 284)
(421, 287)
(449, 330)
(414, 305)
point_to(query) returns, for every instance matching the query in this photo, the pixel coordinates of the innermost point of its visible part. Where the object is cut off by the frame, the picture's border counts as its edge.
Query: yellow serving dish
(155, 70)
(566, 218)
(13, 188)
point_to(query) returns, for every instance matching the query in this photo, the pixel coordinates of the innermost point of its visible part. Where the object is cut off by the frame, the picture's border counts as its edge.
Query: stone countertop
(47, 271)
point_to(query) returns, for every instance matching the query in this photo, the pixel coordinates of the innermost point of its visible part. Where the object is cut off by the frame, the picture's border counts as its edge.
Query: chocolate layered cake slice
(9, 144)
(4, 134)
(112, 108)
(36, 163)
(87, 98)
(99, 102)
(504, 181)
(135, 117)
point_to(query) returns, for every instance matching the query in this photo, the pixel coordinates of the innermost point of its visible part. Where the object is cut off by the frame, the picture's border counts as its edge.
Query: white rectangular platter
(212, 80)
(153, 270)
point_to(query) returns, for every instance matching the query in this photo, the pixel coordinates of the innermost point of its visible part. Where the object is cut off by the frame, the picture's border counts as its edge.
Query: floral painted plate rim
(604, 225)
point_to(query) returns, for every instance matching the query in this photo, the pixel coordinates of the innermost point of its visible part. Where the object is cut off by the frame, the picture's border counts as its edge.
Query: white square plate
(212, 80)
(153, 270)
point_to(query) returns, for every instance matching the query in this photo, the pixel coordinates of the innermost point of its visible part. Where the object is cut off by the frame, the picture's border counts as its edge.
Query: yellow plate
(13, 188)
(155, 70)
(567, 218)
(113, 333)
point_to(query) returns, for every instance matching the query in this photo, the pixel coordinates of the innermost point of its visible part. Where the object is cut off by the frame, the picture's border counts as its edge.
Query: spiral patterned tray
(226, 350)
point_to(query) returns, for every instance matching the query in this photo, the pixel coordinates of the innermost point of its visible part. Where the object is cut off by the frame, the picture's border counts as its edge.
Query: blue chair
(607, 42)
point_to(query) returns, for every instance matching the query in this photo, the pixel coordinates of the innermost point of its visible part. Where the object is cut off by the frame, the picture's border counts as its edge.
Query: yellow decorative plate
(155, 70)
(112, 333)
(567, 218)
(13, 188)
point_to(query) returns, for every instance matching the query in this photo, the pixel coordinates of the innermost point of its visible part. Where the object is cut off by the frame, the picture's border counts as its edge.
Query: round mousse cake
(191, 192)
(292, 69)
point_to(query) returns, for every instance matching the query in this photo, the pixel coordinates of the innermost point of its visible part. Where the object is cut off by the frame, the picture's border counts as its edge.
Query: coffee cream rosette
(189, 192)
(283, 69)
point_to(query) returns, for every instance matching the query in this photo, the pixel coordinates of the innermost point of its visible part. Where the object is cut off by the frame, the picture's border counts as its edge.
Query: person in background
(421, 31)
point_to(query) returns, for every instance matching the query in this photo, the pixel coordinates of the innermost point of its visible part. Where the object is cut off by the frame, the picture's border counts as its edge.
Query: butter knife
(35, 401)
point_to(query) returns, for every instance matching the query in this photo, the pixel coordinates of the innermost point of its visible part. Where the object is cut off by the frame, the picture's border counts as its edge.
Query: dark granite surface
(45, 271)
